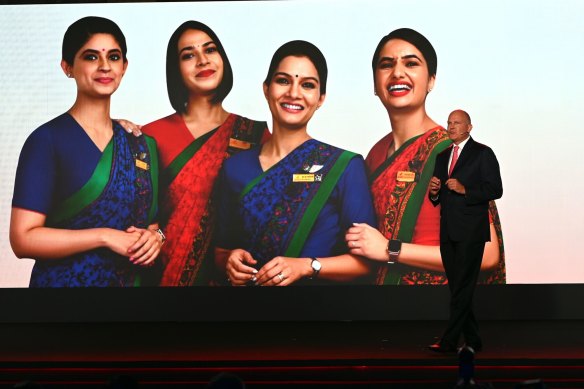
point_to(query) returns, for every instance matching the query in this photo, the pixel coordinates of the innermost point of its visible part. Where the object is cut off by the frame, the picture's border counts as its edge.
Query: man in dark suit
(466, 177)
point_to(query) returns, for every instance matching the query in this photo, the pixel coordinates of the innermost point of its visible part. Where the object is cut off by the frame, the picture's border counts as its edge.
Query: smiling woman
(85, 192)
(284, 207)
(193, 143)
(407, 241)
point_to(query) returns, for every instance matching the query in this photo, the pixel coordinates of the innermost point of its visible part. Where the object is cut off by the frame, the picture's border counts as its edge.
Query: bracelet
(162, 236)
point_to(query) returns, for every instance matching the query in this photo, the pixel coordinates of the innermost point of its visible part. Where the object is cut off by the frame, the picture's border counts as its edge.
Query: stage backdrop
(515, 66)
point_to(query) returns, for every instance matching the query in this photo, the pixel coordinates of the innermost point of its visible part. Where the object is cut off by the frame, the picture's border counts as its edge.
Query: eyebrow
(192, 47)
(382, 59)
(290, 76)
(94, 51)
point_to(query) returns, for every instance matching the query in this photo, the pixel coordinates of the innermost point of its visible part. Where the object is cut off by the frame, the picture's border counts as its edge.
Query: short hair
(415, 38)
(178, 93)
(299, 48)
(83, 29)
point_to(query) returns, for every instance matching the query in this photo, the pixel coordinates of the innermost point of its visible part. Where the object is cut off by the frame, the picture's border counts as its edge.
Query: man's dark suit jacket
(466, 217)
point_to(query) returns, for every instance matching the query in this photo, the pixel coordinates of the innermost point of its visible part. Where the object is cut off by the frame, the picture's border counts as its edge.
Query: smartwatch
(316, 266)
(393, 250)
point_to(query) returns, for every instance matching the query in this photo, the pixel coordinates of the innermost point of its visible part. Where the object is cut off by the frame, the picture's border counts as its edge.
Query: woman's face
(200, 63)
(294, 92)
(401, 76)
(98, 66)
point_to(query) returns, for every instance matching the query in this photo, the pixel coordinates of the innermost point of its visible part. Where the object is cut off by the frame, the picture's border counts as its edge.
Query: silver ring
(281, 277)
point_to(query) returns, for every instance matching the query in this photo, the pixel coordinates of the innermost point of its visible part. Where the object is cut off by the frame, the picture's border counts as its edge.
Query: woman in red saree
(193, 142)
(406, 242)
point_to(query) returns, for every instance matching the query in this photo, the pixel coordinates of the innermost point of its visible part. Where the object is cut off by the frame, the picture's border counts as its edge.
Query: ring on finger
(281, 277)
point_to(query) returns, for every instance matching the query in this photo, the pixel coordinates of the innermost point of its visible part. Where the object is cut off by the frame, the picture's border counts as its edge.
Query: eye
(90, 57)
(385, 65)
(211, 50)
(308, 85)
(411, 64)
(186, 56)
(115, 57)
(281, 81)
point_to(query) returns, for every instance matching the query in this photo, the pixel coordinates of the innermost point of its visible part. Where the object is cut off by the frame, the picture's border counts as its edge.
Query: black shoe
(441, 347)
(476, 347)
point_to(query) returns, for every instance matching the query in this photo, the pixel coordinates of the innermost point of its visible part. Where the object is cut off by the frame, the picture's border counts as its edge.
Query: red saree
(399, 185)
(189, 169)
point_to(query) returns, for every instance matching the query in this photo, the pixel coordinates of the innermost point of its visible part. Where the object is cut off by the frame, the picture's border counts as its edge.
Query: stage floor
(388, 353)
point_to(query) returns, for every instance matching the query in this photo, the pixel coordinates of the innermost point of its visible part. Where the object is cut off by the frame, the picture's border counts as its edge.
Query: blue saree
(121, 192)
(273, 213)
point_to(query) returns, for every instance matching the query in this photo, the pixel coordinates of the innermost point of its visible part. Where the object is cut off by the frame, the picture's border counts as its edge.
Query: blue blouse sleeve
(356, 203)
(35, 175)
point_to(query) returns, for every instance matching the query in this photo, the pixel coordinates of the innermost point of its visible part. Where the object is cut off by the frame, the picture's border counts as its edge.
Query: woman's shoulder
(160, 126)
(253, 122)
(52, 130)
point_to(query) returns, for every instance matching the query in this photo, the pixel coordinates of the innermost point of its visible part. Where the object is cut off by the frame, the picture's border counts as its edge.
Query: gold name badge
(302, 177)
(405, 176)
(142, 165)
(239, 144)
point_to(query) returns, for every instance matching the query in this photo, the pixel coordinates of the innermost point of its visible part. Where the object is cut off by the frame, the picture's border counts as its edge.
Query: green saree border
(313, 210)
(412, 211)
(174, 168)
(391, 158)
(88, 192)
(151, 144)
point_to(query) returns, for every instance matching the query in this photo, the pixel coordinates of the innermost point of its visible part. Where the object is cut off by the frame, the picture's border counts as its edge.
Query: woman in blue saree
(283, 207)
(85, 191)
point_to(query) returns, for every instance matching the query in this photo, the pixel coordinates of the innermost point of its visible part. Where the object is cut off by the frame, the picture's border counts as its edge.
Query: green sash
(318, 201)
(99, 179)
(413, 207)
(185, 156)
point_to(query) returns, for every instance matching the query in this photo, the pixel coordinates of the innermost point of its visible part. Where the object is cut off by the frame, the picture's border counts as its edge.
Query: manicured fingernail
(255, 271)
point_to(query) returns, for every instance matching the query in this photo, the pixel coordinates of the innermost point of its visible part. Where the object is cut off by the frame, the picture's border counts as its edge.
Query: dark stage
(164, 350)
(371, 354)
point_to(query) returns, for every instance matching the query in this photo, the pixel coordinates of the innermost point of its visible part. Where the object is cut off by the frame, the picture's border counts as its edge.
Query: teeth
(292, 106)
(399, 87)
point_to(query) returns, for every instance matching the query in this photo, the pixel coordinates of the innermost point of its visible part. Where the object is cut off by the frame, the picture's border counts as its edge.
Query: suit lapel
(465, 154)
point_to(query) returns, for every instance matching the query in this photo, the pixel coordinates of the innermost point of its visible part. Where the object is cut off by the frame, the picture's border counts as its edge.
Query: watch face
(316, 265)
(394, 246)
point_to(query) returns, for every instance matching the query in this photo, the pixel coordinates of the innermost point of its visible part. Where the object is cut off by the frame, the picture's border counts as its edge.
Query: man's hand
(454, 185)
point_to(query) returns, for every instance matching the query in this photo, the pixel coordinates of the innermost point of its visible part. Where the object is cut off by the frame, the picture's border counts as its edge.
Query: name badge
(302, 177)
(405, 176)
(239, 144)
(142, 165)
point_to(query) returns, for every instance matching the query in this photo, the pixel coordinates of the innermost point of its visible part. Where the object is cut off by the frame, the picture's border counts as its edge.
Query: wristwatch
(316, 266)
(162, 236)
(393, 250)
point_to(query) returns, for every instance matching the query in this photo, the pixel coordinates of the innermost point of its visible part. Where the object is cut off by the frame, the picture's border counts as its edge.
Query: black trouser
(462, 263)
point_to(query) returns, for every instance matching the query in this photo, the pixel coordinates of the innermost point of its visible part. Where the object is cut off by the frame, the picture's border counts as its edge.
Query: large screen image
(350, 133)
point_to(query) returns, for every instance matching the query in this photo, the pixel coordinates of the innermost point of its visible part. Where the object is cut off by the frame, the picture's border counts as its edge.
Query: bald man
(466, 177)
